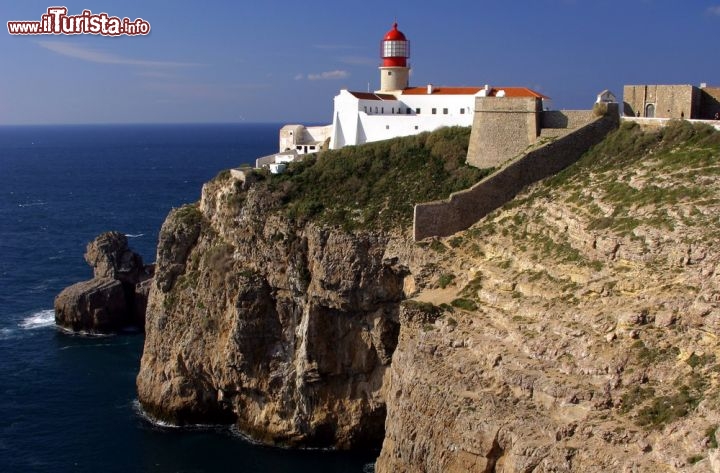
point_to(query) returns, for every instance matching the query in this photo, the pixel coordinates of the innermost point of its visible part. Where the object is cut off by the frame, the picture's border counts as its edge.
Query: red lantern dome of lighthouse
(395, 48)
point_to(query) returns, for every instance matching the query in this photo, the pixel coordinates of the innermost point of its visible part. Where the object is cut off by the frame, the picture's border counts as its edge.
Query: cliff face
(285, 330)
(583, 335)
(573, 329)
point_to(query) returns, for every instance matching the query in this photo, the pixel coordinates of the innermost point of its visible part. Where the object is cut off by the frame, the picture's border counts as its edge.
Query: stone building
(671, 101)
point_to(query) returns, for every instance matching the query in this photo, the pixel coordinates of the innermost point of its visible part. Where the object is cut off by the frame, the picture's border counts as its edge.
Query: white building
(395, 110)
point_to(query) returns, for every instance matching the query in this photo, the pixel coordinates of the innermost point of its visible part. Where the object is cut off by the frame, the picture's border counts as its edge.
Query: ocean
(68, 402)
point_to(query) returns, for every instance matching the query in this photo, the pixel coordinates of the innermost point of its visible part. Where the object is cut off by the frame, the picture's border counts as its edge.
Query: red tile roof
(371, 96)
(509, 91)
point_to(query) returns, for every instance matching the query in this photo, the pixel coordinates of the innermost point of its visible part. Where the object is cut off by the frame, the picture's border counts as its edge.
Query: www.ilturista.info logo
(57, 21)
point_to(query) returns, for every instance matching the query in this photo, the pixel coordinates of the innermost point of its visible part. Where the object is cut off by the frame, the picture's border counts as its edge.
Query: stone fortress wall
(671, 101)
(560, 139)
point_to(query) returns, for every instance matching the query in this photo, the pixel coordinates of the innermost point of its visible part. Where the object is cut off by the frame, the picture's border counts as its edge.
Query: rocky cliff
(572, 330)
(577, 327)
(267, 314)
(285, 330)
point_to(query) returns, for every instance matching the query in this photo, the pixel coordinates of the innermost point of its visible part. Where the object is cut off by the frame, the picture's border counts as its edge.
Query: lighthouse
(395, 110)
(394, 51)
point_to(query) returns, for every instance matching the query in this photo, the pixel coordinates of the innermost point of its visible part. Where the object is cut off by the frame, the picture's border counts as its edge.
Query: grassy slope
(376, 185)
(643, 174)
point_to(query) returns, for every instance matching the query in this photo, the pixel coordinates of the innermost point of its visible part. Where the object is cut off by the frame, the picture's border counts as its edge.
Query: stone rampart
(566, 118)
(462, 209)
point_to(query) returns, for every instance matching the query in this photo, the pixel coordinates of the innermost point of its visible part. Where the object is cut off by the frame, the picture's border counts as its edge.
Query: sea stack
(115, 298)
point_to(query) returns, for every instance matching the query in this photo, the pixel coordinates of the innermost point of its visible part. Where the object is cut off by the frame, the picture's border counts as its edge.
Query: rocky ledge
(115, 298)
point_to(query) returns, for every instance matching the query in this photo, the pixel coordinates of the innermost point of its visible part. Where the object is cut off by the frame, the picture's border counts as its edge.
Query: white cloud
(329, 75)
(299, 77)
(714, 10)
(101, 57)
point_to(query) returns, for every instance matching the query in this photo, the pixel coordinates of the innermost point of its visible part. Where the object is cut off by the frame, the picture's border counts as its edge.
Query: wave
(42, 319)
(83, 333)
(142, 413)
(236, 432)
(137, 407)
(32, 204)
(136, 235)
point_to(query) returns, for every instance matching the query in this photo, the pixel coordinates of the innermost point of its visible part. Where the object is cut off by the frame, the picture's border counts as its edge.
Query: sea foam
(42, 319)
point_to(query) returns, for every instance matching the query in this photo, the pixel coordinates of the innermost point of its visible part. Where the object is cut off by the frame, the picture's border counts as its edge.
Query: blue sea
(68, 403)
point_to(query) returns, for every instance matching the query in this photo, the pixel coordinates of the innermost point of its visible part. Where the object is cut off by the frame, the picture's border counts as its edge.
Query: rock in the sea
(110, 257)
(115, 298)
(97, 305)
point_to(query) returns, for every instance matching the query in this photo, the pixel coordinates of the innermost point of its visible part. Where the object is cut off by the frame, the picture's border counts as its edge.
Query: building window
(408, 111)
(445, 111)
(393, 110)
(375, 109)
(365, 108)
(389, 73)
(434, 111)
(417, 110)
(387, 127)
(416, 127)
(462, 111)
(382, 110)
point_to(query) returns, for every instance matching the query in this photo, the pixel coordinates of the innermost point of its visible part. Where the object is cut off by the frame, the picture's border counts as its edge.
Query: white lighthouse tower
(394, 71)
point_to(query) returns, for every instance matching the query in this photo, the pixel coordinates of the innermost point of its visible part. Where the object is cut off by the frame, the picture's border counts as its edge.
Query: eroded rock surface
(580, 331)
(285, 330)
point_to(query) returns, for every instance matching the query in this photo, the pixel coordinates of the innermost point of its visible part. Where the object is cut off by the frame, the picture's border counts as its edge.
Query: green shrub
(445, 280)
(465, 304)
(665, 409)
(188, 215)
(426, 307)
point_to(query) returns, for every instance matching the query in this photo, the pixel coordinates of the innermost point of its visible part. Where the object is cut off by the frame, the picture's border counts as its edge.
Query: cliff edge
(268, 313)
(573, 329)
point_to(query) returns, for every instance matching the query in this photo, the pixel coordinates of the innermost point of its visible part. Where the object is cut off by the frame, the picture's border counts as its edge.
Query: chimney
(430, 89)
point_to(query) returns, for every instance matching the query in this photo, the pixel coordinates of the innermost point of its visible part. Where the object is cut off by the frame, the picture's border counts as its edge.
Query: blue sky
(281, 61)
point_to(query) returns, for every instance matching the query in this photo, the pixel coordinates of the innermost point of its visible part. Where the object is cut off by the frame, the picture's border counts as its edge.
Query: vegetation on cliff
(651, 171)
(376, 185)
